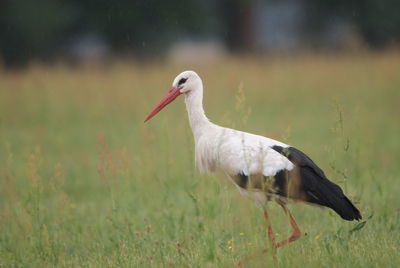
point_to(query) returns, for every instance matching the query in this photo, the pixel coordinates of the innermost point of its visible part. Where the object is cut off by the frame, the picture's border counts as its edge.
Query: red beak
(169, 97)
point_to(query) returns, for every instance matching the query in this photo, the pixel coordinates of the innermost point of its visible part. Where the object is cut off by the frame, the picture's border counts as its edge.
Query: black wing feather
(307, 182)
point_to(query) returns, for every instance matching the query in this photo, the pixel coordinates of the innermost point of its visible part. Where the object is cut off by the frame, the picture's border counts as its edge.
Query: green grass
(84, 183)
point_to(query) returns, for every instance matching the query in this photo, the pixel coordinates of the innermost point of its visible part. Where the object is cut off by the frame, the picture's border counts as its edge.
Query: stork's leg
(296, 230)
(271, 238)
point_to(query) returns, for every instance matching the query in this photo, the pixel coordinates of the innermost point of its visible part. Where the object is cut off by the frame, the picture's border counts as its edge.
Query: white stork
(262, 167)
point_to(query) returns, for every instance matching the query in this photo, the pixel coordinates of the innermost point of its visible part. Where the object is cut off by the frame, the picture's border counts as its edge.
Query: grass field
(84, 183)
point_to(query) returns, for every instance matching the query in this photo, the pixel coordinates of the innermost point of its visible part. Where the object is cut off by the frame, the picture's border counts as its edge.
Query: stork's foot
(296, 230)
(241, 261)
(271, 237)
(295, 235)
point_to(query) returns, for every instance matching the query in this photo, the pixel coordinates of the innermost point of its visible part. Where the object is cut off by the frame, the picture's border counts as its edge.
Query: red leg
(240, 263)
(271, 238)
(296, 230)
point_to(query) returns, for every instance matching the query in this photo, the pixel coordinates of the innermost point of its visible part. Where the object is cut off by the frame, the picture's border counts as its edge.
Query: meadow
(85, 183)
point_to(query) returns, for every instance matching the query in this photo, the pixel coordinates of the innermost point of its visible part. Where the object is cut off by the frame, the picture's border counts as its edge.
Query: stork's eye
(183, 80)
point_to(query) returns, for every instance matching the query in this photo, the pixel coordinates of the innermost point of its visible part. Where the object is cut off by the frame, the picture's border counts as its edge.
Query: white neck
(194, 106)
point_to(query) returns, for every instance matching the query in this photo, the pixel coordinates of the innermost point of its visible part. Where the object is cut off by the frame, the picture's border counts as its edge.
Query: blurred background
(85, 183)
(80, 30)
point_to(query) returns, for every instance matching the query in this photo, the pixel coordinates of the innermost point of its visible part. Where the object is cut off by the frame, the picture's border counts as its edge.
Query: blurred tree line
(44, 28)
(377, 21)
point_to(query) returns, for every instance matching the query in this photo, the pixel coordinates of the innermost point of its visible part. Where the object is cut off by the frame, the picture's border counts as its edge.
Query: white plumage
(256, 164)
(230, 150)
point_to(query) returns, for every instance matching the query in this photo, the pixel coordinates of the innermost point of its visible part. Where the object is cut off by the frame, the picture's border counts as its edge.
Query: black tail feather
(327, 193)
(346, 209)
(311, 185)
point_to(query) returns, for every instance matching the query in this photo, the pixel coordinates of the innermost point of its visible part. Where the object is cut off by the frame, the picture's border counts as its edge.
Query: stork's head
(184, 83)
